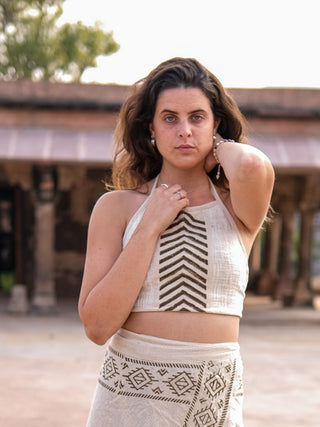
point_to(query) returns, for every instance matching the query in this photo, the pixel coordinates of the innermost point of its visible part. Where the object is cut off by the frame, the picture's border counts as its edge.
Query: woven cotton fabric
(199, 264)
(147, 381)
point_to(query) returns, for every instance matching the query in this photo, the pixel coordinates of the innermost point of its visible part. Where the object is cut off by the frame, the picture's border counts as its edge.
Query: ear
(151, 130)
(216, 124)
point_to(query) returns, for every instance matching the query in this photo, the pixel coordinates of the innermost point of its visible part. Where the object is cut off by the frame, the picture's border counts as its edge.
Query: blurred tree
(33, 46)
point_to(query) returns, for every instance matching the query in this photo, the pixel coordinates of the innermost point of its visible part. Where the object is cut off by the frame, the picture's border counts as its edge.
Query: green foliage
(7, 280)
(33, 46)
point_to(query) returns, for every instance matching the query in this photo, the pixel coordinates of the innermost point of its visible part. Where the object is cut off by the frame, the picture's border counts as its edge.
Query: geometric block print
(206, 417)
(181, 383)
(183, 265)
(215, 385)
(203, 388)
(139, 378)
(109, 369)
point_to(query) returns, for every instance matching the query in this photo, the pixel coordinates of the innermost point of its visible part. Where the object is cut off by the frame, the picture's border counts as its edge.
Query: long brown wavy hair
(136, 161)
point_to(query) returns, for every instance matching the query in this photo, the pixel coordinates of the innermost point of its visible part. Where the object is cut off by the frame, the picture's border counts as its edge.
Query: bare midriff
(185, 326)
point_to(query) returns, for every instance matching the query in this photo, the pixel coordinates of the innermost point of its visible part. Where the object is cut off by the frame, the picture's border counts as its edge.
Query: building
(55, 153)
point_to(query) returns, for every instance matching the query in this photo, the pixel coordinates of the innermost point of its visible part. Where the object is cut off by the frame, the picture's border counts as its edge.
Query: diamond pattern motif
(182, 383)
(139, 378)
(203, 389)
(205, 418)
(109, 368)
(215, 385)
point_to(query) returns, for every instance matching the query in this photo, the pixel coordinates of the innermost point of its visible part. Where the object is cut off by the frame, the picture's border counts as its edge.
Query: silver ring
(165, 185)
(180, 194)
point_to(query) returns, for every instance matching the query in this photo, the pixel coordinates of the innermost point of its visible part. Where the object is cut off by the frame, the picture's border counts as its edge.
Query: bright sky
(245, 43)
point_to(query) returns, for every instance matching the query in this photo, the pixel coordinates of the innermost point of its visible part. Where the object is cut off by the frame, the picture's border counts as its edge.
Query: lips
(185, 147)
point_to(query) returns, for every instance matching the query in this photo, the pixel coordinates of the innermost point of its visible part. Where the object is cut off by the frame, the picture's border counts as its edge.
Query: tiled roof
(56, 145)
(57, 95)
(290, 151)
(95, 147)
(293, 102)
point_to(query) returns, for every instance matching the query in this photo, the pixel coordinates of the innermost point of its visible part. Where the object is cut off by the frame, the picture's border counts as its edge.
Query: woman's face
(183, 127)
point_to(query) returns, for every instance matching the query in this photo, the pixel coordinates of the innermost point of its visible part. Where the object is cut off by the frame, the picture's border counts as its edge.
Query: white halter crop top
(199, 263)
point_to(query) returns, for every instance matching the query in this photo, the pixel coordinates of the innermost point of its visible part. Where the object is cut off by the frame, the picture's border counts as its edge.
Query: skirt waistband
(147, 346)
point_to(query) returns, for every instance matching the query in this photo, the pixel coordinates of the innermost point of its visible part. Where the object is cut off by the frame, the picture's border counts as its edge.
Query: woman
(166, 266)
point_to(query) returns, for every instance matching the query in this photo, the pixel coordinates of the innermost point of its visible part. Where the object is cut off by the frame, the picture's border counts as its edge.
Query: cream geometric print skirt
(147, 381)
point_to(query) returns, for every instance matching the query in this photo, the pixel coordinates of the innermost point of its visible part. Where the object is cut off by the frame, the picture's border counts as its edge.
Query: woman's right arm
(113, 277)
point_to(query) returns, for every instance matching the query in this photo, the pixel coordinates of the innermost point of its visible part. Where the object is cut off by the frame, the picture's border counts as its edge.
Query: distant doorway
(7, 247)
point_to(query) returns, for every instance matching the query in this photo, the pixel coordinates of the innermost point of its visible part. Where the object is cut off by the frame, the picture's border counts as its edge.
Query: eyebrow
(199, 110)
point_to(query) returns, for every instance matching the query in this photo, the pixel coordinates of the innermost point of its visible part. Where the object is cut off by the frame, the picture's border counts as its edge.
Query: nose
(184, 129)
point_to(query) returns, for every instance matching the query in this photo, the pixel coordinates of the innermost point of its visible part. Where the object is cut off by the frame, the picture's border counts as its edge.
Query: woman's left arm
(251, 178)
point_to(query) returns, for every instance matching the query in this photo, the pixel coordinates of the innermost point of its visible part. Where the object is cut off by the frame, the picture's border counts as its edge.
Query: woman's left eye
(197, 117)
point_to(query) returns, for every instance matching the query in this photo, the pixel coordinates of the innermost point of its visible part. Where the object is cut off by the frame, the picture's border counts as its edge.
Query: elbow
(95, 336)
(253, 166)
(97, 333)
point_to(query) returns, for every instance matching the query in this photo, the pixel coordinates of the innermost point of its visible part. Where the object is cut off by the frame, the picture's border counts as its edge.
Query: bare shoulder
(113, 199)
(117, 207)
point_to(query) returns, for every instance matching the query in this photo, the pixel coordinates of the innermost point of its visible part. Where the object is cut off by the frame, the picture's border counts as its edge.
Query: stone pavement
(48, 368)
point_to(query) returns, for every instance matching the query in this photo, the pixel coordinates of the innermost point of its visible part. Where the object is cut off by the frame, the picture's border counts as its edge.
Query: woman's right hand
(165, 204)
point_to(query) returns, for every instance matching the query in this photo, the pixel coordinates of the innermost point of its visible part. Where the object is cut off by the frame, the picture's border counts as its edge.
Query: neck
(197, 186)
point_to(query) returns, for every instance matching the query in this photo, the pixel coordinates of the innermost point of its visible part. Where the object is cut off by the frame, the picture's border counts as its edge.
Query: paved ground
(48, 369)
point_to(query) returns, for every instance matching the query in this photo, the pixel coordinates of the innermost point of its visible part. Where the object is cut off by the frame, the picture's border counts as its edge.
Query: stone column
(271, 276)
(285, 287)
(255, 255)
(44, 298)
(307, 207)
(19, 176)
(272, 247)
(302, 293)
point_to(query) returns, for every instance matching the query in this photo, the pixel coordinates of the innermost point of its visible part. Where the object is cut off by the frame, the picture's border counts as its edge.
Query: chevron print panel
(183, 265)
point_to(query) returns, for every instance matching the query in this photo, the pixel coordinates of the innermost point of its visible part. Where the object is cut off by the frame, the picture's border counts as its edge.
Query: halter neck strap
(154, 184)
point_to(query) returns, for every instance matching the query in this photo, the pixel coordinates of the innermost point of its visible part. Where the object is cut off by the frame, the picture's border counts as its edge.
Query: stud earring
(153, 142)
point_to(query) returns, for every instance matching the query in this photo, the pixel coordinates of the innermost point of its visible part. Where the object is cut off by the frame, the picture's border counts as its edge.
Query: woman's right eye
(169, 119)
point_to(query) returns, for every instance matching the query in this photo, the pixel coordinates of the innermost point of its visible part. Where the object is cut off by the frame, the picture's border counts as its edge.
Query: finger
(166, 186)
(182, 194)
(175, 188)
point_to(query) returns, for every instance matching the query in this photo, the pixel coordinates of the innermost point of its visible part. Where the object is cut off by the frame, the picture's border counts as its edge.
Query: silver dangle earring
(216, 157)
(153, 142)
(218, 172)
